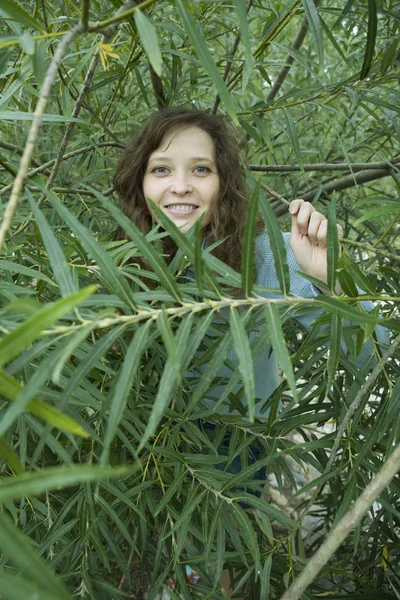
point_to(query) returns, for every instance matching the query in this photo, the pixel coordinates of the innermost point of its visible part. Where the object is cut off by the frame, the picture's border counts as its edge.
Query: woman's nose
(180, 185)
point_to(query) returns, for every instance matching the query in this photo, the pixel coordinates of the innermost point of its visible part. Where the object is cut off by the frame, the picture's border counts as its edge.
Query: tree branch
(298, 42)
(345, 525)
(34, 130)
(353, 167)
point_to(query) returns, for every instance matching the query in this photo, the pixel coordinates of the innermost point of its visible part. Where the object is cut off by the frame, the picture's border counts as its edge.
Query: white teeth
(182, 207)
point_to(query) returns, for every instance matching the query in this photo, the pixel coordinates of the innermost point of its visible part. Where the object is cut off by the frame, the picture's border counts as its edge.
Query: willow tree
(107, 484)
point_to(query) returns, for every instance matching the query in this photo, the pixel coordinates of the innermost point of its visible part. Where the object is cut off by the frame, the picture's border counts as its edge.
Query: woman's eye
(160, 170)
(202, 170)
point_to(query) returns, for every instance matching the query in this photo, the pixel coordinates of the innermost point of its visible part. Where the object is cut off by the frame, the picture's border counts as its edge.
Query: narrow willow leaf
(19, 338)
(245, 359)
(241, 10)
(39, 62)
(345, 279)
(334, 351)
(277, 246)
(182, 241)
(197, 40)
(39, 482)
(18, 548)
(265, 578)
(199, 266)
(114, 278)
(149, 39)
(10, 457)
(344, 310)
(13, 267)
(28, 116)
(277, 340)
(19, 14)
(61, 271)
(158, 265)
(314, 23)
(249, 243)
(126, 376)
(168, 381)
(167, 335)
(356, 273)
(11, 388)
(210, 371)
(13, 587)
(371, 38)
(332, 246)
(247, 533)
(294, 140)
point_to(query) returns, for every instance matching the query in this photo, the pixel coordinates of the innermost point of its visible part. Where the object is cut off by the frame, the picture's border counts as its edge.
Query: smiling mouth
(182, 207)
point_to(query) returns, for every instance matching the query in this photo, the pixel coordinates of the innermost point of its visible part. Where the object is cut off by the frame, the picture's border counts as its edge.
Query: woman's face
(181, 176)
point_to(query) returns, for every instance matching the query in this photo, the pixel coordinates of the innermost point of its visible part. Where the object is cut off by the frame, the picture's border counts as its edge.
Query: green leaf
(27, 43)
(314, 23)
(126, 376)
(158, 265)
(277, 340)
(149, 39)
(167, 335)
(10, 457)
(197, 40)
(61, 271)
(18, 548)
(245, 359)
(11, 388)
(182, 241)
(28, 116)
(19, 338)
(19, 14)
(247, 533)
(332, 246)
(248, 244)
(168, 381)
(39, 62)
(241, 10)
(45, 480)
(13, 587)
(371, 38)
(277, 246)
(353, 270)
(110, 273)
(294, 140)
(265, 578)
(335, 347)
(15, 267)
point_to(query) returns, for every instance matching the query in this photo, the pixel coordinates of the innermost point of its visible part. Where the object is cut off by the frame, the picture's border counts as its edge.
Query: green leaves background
(108, 483)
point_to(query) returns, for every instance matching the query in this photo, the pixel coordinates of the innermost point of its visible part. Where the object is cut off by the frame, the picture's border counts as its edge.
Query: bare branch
(353, 167)
(345, 525)
(297, 43)
(34, 130)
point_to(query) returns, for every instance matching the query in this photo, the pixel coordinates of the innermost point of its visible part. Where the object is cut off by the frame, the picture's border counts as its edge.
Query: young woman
(187, 162)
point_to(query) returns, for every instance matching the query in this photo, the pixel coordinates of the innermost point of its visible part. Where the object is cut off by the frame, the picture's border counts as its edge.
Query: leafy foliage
(116, 469)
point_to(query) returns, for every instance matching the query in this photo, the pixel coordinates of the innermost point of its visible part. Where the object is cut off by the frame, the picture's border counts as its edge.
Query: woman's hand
(308, 239)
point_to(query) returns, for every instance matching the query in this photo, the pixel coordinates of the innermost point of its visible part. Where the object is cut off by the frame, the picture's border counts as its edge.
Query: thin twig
(345, 525)
(34, 130)
(17, 150)
(369, 248)
(325, 167)
(48, 164)
(275, 194)
(350, 412)
(118, 17)
(297, 43)
(85, 14)
(228, 65)
(109, 33)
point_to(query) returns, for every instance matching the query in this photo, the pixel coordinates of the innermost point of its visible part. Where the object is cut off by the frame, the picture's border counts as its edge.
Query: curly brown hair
(230, 210)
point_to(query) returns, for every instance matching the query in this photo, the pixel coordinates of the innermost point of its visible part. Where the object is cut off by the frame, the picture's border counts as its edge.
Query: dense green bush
(108, 483)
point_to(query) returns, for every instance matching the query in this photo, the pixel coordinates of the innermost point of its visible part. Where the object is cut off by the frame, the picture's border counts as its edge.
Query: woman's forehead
(187, 135)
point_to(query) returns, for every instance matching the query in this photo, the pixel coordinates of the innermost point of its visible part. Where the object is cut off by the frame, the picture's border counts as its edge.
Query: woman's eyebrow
(162, 158)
